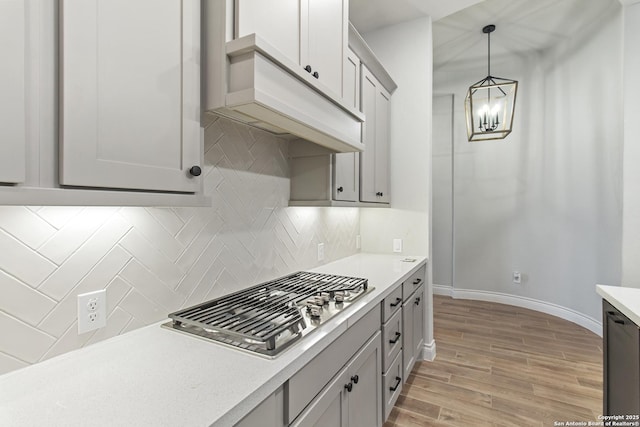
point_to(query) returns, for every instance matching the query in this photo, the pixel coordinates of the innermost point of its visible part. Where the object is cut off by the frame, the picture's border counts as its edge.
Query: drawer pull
(417, 281)
(417, 301)
(395, 304)
(355, 379)
(349, 387)
(397, 384)
(393, 341)
(621, 322)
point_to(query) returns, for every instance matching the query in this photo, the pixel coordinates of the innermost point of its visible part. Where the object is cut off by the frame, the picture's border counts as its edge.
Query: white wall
(631, 215)
(154, 261)
(405, 51)
(546, 201)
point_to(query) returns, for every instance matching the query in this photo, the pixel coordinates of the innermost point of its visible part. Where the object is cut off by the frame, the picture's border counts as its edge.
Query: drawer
(391, 304)
(391, 340)
(392, 385)
(410, 285)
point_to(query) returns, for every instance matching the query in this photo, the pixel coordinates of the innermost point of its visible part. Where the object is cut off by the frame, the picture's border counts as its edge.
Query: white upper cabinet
(311, 33)
(278, 22)
(130, 94)
(278, 65)
(374, 160)
(346, 166)
(325, 24)
(13, 89)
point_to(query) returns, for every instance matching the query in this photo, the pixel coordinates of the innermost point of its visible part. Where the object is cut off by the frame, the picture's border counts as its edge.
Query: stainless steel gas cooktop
(268, 318)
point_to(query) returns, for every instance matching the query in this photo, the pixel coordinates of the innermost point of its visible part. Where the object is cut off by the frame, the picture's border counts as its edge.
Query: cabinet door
(382, 120)
(418, 323)
(13, 38)
(329, 408)
(365, 398)
(269, 413)
(374, 160)
(277, 22)
(130, 94)
(346, 166)
(408, 356)
(324, 23)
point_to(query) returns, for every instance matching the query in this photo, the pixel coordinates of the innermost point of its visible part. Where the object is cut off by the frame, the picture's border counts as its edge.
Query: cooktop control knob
(339, 296)
(316, 311)
(326, 297)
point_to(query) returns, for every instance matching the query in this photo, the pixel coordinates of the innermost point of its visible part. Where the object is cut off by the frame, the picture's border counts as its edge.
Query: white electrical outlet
(320, 251)
(92, 311)
(397, 245)
(358, 242)
(517, 277)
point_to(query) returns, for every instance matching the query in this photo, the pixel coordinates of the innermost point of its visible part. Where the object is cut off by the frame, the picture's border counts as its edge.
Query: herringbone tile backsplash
(153, 261)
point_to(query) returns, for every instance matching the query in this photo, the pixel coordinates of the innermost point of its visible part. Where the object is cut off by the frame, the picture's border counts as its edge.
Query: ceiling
(369, 15)
(521, 25)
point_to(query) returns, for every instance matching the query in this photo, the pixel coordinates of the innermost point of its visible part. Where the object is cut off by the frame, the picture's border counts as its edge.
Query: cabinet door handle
(195, 170)
(355, 379)
(307, 68)
(340, 189)
(349, 387)
(620, 322)
(395, 340)
(417, 301)
(315, 74)
(417, 281)
(379, 194)
(395, 304)
(396, 385)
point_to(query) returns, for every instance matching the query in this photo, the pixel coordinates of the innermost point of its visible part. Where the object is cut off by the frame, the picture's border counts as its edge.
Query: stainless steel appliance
(270, 317)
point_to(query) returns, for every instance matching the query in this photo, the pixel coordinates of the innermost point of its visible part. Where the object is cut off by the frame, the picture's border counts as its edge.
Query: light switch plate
(397, 245)
(92, 311)
(358, 242)
(320, 251)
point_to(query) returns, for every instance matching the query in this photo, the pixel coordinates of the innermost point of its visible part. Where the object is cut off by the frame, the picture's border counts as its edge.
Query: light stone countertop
(154, 376)
(627, 300)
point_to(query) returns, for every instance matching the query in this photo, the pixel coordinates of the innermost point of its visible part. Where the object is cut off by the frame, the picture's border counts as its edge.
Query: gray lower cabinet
(413, 324)
(621, 371)
(352, 398)
(268, 414)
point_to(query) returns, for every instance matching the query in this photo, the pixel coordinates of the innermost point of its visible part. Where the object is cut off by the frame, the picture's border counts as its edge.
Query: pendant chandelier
(490, 103)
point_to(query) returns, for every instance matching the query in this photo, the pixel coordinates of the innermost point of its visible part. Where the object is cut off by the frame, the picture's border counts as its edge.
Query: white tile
(116, 290)
(142, 309)
(75, 233)
(132, 325)
(70, 340)
(25, 225)
(200, 266)
(58, 216)
(205, 284)
(23, 263)
(153, 231)
(116, 322)
(167, 218)
(66, 277)
(8, 363)
(202, 239)
(22, 301)
(150, 286)
(145, 253)
(193, 226)
(65, 313)
(21, 340)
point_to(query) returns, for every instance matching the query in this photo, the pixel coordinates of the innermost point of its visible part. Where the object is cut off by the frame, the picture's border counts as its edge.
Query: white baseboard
(429, 351)
(565, 313)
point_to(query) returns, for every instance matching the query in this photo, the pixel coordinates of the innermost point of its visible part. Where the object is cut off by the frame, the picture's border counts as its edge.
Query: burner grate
(258, 317)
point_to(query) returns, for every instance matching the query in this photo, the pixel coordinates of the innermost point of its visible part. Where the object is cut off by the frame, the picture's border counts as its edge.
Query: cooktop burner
(268, 318)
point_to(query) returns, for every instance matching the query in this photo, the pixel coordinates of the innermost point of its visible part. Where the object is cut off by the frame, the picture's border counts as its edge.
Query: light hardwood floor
(499, 365)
